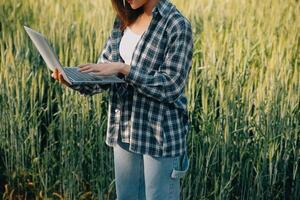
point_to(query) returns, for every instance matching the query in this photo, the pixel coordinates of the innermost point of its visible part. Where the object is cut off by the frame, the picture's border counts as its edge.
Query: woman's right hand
(58, 76)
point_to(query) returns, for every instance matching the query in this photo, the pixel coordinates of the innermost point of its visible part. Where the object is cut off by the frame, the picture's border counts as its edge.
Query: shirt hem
(131, 149)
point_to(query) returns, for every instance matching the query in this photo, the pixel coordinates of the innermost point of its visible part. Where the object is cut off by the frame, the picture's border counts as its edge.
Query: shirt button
(117, 110)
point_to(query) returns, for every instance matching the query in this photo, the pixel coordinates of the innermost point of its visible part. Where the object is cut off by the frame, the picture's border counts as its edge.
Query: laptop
(71, 74)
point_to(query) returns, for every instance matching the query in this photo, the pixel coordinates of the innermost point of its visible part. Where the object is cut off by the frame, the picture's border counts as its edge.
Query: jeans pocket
(183, 167)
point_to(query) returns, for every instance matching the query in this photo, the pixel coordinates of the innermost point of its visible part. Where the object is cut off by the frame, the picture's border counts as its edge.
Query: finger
(60, 78)
(53, 76)
(56, 73)
(84, 68)
(83, 65)
(89, 70)
(100, 74)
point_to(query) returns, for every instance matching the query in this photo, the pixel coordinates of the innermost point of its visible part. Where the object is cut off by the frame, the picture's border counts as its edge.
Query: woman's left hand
(103, 68)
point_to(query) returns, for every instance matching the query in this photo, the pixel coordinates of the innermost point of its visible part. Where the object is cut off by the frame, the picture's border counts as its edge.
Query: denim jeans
(140, 177)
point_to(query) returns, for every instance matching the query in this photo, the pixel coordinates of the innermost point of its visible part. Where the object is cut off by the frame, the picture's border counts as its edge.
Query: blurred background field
(243, 92)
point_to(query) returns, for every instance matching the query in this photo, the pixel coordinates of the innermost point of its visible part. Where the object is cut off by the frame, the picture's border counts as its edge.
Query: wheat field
(243, 98)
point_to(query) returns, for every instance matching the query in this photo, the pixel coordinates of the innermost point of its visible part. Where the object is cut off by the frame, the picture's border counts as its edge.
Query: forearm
(160, 86)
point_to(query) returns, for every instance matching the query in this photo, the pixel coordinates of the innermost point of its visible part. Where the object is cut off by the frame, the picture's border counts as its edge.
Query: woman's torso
(149, 123)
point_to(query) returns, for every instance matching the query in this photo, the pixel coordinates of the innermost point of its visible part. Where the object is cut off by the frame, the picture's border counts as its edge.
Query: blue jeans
(140, 177)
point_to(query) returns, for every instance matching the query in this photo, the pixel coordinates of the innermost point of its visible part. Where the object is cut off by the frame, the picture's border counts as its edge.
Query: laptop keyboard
(75, 75)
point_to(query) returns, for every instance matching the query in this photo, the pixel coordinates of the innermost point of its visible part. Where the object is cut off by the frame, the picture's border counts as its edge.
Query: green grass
(243, 91)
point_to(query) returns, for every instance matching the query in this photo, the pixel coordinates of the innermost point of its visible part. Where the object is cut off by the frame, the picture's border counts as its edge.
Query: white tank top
(127, 44)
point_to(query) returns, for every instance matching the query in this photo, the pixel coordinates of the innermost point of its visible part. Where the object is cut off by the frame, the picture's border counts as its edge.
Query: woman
(150, 47)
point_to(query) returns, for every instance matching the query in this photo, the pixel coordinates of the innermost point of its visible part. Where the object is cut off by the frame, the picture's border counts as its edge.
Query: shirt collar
(162, 7)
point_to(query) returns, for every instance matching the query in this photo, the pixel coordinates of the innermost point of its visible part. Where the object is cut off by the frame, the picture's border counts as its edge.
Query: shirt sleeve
(90, 90)
(168, 82)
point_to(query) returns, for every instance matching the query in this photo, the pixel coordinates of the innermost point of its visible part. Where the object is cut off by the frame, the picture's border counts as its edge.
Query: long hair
(126, 14)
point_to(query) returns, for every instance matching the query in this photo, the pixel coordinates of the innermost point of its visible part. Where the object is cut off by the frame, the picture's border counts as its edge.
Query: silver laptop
(71, 74)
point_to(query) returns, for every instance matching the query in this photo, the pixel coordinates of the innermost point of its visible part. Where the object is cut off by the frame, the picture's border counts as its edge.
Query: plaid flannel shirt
(149, 110)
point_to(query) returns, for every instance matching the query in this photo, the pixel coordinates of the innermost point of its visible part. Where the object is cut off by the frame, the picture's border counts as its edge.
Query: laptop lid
(46, 51)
